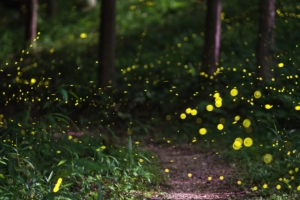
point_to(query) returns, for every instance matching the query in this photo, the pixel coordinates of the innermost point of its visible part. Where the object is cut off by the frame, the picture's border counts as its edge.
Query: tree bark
(265, 40)
(106, 71)
(211, 50)
(30, 20)
(51, 8)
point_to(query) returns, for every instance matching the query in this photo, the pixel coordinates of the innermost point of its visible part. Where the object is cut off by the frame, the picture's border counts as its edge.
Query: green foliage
(55, 122)
(87, 169)
(281, 173)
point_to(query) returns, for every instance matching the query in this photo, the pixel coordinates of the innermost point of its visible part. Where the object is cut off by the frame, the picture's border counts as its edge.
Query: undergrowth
(64, 138)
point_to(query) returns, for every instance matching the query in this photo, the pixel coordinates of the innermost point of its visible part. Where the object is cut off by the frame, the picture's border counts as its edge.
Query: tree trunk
(30, 20)
(106, 71)
(265, 40)
(211, 50)
(51, 8)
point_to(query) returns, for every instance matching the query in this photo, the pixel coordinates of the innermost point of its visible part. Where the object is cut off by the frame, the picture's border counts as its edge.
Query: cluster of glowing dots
(257, 94)
(190, 175)
(218, 101)
(284, 180)
(265, 186)
(188, 111)
(238, 143)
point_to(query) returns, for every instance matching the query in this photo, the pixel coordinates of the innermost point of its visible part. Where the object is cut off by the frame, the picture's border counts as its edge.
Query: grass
(50, 92)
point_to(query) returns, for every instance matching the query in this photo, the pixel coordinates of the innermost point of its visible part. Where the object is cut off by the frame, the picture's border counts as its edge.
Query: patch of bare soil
(187, 159)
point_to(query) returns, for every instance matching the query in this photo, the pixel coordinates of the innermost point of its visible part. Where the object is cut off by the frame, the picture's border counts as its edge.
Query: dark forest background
(82, 79)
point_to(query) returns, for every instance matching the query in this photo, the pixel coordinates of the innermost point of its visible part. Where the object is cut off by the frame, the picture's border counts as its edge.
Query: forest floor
(184, 160)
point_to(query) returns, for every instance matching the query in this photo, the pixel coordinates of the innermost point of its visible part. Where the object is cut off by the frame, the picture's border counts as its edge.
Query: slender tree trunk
(265, 40)
(106, 71)
(30, 20)
(51, 9)
(211, 50)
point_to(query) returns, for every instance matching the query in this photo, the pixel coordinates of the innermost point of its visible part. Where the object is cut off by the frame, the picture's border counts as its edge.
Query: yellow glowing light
(57, 185)
(132, 7)
(209, 178)
(183, 116)
(278, 187)
(237, 145)
(216, 95)
(265, 186)
(220, 126)
(237, 118)
(167, 170)
(194, 112)
(239, 139)
(222, 16)
(83, 35)
(75, 140)
(188, 111)
(218, 98)
(209, 108)
(268, 158)
(234, 92)
(257, 94)
(280, 65)
(247, 123)
(202, 131)
(190, 175)
(218, 103)
(32, 81)
(221, 178)
(268, 106)
(239, 182)
(297, 107)
(149, 3)
(248, 142)
(286, 180)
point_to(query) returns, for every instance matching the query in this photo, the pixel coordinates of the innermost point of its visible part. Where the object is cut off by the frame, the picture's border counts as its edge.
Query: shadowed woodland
(133, 99)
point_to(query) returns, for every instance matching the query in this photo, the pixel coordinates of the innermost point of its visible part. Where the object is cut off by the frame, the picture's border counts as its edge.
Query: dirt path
(186, 159)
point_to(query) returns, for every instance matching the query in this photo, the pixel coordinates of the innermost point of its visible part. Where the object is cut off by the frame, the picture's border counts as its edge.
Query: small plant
(273, 167)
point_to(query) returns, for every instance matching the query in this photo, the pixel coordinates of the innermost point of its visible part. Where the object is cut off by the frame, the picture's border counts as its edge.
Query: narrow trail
(182, 160)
